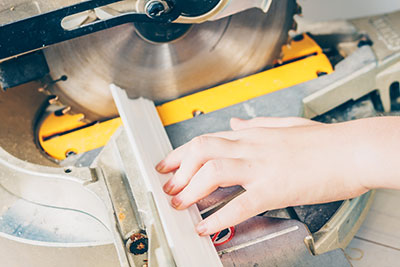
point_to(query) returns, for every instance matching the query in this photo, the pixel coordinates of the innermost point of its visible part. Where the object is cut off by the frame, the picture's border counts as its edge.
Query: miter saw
(200, 62)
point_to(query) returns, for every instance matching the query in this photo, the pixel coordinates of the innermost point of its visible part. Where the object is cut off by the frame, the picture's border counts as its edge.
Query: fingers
(172, 161)
(214, 174)
(270, 122)
(197, 146)
(236, 211)
(192, 157)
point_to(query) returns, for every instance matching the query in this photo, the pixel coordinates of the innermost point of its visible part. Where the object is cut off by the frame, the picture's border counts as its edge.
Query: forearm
(347, 159)
(377, 151)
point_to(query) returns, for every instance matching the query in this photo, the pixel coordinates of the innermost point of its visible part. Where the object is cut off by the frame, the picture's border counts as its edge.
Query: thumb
(236, 211)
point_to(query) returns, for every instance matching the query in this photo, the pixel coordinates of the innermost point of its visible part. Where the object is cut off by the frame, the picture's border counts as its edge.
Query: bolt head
(155, 9)
(138, 244)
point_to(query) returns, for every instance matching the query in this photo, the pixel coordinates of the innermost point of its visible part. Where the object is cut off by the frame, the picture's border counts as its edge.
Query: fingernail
(201, 228)
(160, 166)
(168, 187)
(176, 202)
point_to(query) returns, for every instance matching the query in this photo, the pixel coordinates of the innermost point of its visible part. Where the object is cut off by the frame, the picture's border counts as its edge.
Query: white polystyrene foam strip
(150, 145)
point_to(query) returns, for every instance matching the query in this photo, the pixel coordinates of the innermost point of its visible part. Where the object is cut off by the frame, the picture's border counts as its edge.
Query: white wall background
(323, 10)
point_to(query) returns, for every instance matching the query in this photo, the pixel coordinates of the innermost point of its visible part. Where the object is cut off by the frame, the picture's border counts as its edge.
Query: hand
(280, 162)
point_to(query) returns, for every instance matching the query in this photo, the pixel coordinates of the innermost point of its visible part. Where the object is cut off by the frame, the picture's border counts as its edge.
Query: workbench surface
(377, 243)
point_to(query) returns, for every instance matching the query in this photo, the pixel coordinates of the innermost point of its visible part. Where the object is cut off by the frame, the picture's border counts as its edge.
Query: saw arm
(32, 33)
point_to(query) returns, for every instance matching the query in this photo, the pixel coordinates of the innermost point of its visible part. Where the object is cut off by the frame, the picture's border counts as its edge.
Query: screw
(156, 8)
(138, 244)
(53, 100)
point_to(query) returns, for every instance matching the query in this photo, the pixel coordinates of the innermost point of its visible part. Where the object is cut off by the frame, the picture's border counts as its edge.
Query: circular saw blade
(208, 54)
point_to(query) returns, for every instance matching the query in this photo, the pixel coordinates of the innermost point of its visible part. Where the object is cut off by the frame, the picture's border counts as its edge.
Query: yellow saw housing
(303, 60)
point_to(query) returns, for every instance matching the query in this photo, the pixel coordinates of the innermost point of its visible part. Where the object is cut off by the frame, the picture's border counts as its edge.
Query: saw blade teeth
(54, 100)
(66, 110)
(45, 91)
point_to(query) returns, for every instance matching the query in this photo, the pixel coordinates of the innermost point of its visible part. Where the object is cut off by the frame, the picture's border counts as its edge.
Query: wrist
(376, 152)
